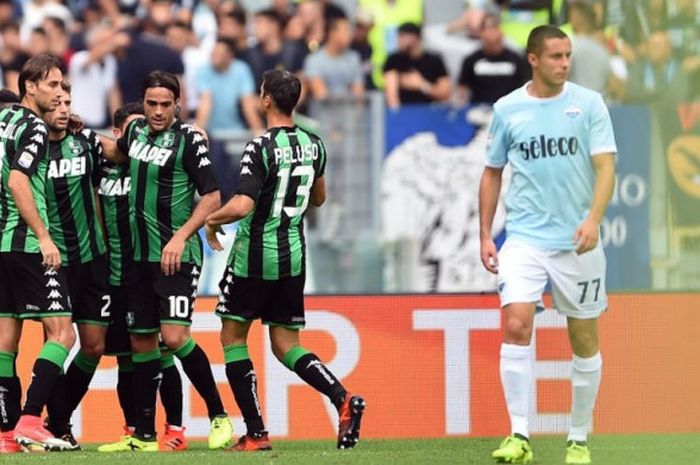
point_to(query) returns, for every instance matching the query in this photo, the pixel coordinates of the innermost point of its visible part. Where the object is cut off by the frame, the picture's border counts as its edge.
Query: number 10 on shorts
(585, 286)
(179, 306)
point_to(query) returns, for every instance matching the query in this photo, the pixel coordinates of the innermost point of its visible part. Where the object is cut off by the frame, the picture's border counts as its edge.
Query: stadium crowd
(634, 51)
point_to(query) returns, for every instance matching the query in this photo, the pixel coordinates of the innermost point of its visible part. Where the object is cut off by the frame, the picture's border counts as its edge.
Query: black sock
(171, 394)
(57, 408)
(10, 399)
(125, 391)
(244, 384)
(146, 380)
(315, 374)
(78, 377)
(45, 375)
(198, 370)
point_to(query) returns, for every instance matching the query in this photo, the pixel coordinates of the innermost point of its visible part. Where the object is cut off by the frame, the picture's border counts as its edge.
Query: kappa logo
(573, 112)
(204, 161)
(50, 272)
(246, 159)
(249, 148)
(40, 127)
(56, 306)
(197, 138)
(55, 294)
(245, 170)
(257, 140)
(202, 149)
(226, 289)
(52, 283)
(229, 278)
(267, 135)
(38, 138)
(32, 148)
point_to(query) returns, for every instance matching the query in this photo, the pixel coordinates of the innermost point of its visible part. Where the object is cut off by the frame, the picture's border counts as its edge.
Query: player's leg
(285, 317)
(10, 387)
(579, 292)
(170, 390)
(521, 281)
(177, 294)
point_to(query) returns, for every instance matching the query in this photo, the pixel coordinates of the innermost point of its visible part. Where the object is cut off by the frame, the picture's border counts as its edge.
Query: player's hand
(212, 238)
(50, 254)
(172, 255)
(75, 123)
(489, 256)
(586, 236)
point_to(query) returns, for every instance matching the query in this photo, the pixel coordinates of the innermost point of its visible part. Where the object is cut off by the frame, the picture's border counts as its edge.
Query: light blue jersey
(549, 143)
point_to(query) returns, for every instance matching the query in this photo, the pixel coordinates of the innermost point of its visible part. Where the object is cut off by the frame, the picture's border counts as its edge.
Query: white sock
(585, 380)
(516, 379)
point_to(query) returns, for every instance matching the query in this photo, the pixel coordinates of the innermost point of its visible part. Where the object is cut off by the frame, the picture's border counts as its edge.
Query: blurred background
(400, 91)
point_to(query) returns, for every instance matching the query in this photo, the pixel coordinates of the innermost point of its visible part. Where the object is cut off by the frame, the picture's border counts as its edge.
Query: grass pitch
(607, 450)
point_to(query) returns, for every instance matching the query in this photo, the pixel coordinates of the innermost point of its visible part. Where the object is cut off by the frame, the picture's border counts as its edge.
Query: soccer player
(281, 174)
(113, 194)
(558, 138)
(168, 160)
(73, 224)
(32, 282)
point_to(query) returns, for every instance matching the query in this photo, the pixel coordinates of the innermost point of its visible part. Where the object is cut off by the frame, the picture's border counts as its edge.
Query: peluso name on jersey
(149, 153)
(114, 187)
(7, 131)
(304, 152)
(543, 147)
(67, 167)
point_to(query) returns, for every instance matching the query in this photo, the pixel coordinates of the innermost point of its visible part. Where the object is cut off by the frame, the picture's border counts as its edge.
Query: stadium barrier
(428, 367)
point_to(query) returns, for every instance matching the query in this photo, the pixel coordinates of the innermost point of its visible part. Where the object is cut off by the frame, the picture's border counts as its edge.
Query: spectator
(58, 38)
(35, 11)
(232, 25)
(590, 60)
(38, 42)
(93, 75)
(223, 85)
(7, 11)
(335, 70)
(640, 19)
(271, 50)
(310, 13)
(412, 75)
(12, 56)
(180, 38)
(494, 70)
(659, 77)
(360, 43)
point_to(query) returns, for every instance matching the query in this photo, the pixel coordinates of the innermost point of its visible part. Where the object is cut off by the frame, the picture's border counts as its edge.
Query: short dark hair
(490, 16)
(237, 15)
(66, 86)
(39, 30)
(7, 97)
(410, 28)
(538, 36)
(133, 108)
(36, 69)
(161, 79)
(9, 25)
(333, 22)
(283, 87)
(58, 22)
(229, 43)
(586, 12)
(272, 15)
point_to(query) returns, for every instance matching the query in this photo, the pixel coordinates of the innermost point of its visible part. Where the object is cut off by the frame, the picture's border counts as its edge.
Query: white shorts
(578, 281)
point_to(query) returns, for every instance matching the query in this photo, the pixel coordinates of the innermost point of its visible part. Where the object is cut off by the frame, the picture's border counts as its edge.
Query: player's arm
(489, 191)
(23, 166)
(116, 150)
(197, 164)
(318, 192)
(252, 177)
(587, 234)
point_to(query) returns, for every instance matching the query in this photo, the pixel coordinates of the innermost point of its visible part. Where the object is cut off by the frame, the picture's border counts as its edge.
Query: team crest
(168, 139)
(130, 319)
(75, 147)
(573, 112)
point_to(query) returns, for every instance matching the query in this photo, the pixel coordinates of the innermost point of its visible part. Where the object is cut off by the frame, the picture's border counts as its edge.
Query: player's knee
(174, 339)
(518, 331)
(279, 349)
(584, 343)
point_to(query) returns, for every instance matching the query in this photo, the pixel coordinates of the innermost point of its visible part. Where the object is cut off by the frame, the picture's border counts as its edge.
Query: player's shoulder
(582, 94)
(512, 99)
(33, 122)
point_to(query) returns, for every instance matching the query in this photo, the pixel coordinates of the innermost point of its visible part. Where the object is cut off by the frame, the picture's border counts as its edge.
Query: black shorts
(117, 340)
(276, 302)
(155, 299)
(88, 287)
(28, 290)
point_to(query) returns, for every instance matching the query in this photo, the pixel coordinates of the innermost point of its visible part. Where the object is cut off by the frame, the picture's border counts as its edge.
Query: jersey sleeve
(322, 159)
(95, 153)
(252, 174)
(497, 145)
(32, 146)
(197, 163)
(123, 141)
(602, 135)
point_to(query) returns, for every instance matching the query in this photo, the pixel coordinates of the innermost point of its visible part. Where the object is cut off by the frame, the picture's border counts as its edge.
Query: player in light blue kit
(558, 138)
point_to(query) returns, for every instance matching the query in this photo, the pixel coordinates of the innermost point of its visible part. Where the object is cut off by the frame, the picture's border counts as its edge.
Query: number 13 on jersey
(306, 175)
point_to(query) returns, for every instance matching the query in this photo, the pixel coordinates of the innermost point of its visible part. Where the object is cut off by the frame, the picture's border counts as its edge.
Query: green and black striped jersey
(23, 147)
(165, 168)
(70, 190)
(278, 171)
(113, 193)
